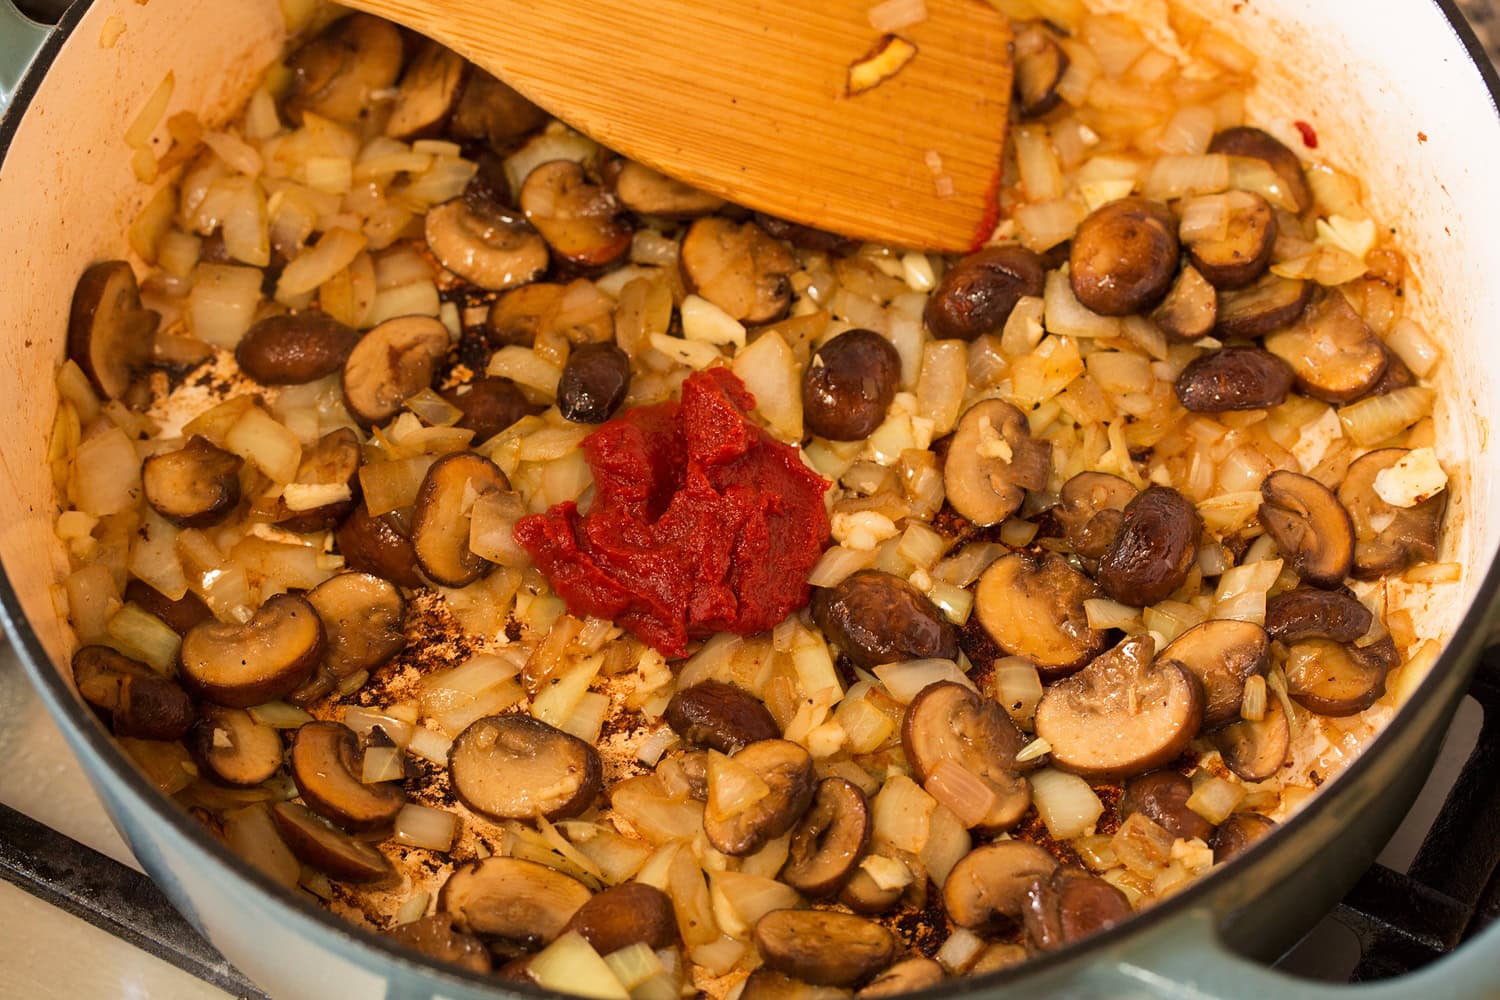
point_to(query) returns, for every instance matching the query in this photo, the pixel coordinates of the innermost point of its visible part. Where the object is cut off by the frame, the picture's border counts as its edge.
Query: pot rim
(86, 732)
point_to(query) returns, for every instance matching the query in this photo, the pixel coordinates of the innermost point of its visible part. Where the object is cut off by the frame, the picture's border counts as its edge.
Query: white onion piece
(570, 965)
(905, 680)
(903, 815)
(421, 826)
(1215, 799)
(1067, 805)
(106, 474)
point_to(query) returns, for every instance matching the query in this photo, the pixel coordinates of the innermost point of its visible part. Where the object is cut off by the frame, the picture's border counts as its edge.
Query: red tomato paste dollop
(701, 521)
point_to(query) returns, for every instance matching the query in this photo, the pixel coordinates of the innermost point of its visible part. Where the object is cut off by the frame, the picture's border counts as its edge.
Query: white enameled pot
(1397, 91)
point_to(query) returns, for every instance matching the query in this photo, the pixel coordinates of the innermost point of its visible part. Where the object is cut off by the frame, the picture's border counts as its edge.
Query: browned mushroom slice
(764, 984)
(829, 841)
(991, 882)
(262, 660)
(948, 725)
(195, 486)
(1335, 679)
(646, 192)
(486, 246)
(906, 976)
(435, 937)
(1155, 548)
(863, 895)
(235, 749)
(823, 947)
(516, 767)
(1311, 528)
(327, 766)
(1234, 378)
(627, 914)
(1309, 613)
(876, 618)
(690, 769)
(594, 383)
(393, 361)
(1335, 355)
(1388, 538)
(110, 334)
(428, 93)
(1091, 509)
(739, 828)
(1040, 64)
(1161, 797)
(977, 295)
(993, 461)
(1244, 252)
(294, 348)
(1032, 606)
(521, 313)
(337, 72)
(1239, 833)
(332, 461)
(721, 716)
(363, 620)
(180, 615)
(1268, 305)
(1124, 257)
(440, 529)
(333, 852)
(489, 405)
(491, 111)
(1255, 749)
(578, 219)
(376, 545)
(1252, 142)
(139, 702)
(1122, 714)
(849, 384)
(1191, 308)
(515, 900)
(738, 268)
(1071, 905)
(1222, 654)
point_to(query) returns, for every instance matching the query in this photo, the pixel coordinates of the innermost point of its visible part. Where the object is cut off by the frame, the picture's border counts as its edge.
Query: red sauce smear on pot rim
(701, 521)
(1309, 134)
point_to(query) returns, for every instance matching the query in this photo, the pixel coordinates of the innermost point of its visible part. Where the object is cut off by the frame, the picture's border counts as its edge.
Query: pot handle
(21, 39)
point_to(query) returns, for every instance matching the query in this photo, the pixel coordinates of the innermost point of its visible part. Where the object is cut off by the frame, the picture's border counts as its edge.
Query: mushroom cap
(991, 881)
(1311, 528)
(327, 764)
(823, 947)
(1223, 654)
(440, 525)
(1256, 749)
(948, 722)
(993, 461)
(1033, 606)
(262, 660)
(110, 334)
(830, 840)
(737, 828)
(512, 899)
(331, 851)
(516, 767)
(486, 246)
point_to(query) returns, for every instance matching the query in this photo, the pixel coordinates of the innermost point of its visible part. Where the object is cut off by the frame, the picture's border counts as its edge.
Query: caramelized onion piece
(517, 901)
(823, 947)
(331, 851)
(738, 268)
(991, 881)
(195, 486)
(516, 767)
(1033, 606)
(1311, 528)
(830, 840)
(992, 462)
(327, 766)
(948, 722)
(262, 660)
(440, 528)
(1223, 654)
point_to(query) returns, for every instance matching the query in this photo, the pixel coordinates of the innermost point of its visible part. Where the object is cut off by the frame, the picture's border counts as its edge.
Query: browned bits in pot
(110, 334)
(1234, 378)
(830, 840)
(992, 461)
(1033, 606)
(977, 294)
(138, 701)
(490, 405)
(646, 192)
(377, 546)
(849, 384)
(1335, 355)
(259, 661)
(336, 73)
(331, 851)
(1040, 63)
(1223, 654)
(180, 615)
(626, 914)
(877, 618)
(1388, 538)
(1124, 257)
(1252, 142)
(1309, 613)
(1239, 833)
(435, 937)
(333, 459)
(514, 767)
(485, 244)
(517, 901)
(1091, 509)
(1191, 308)
(1070, 906)
(1264, 307)
(991, 881)
(1244, 252)
(1154, 550)
(195, 486)
(440, 528)
(233, 748)
(1256, 749)
(738, 268)
(1311, 528)
(1337, 679)
(429, 92)
(1161, 797)
(823, 947)
(948, 725)
(294, 348)
(719, 715)
(594, 383)
(327, 765)
(394, 361)
(737, 828)
(579, 219)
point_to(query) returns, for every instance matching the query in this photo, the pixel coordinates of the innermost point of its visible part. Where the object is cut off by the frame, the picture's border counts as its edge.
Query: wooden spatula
(751, 99)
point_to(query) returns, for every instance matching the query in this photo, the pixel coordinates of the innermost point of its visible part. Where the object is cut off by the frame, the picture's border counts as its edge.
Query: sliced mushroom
(327, 766)
(235, 749)
(332, 461)
(1033, 606)
(806, 237)
(849, 384)
(1239, 833)
(1071, 905)
(485, 245)
(823, 947)
(1234, 378)
(1311, 528)
(1191, 308)
(490, 405)
(1161, 797)
(195, 486)
(863, 895)
(830, 840)
(578, 219)
(991, 882)
(718, 715)
(1309, 613)
(906, 976)
(139, 702)
(517, 901)
(1335, 679)
(1388, 538)
(992, 461)
(395, 360)
(646, 192)
(1263, 307)
(738, 828)
(738, 268)
(689, 770)
(440, 529)
(877, 618)
(516, 767)
(110, 334)
(1091, 509)
(764, 984)
(998, 955)
(1252, 142)
(977, 295)
(333, 852)
(948, 724)
(1335, 355)
(626, 914)
(594, 383)
(1154, 550)
(1122, 714)
(428, 93)
(1124, 257)
(1223, 654)
(1256, 749)
(294, 348)
(1040, 64)
(521, 313)
(491, 111)
(264, 659)
(377, 546)
(363, 619)
(337, 73)
(180, 615)
(435, 937)
(1244, 252)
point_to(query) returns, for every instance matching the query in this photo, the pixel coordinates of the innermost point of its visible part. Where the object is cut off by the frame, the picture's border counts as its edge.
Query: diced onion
(903, 814)
(422, 826)
(364, 720)
(948, 841)
(1214, 799)
(430, 744)
(570, 965)
(887, 873)
(414, 907)
(1067, 805)
(1018, 688)
(145, 637)
(654, 746)
(223, 301)
(1414, 346)
(705, 322)
(905, 680)
(633, 964)
(962, 791)
(837, 564)
(894, 15)
(1253, 705)
(1066, 316)
(1104, 613)
(960, 950)
(280, 715)
(382, 764)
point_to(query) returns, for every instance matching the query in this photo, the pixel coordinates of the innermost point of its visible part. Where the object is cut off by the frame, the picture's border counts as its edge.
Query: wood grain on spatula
(749, 100)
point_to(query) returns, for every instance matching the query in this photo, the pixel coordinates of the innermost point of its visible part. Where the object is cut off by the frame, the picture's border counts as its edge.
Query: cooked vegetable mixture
(582, 579)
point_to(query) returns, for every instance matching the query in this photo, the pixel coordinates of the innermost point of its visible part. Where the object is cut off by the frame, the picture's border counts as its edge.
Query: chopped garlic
(1357, 236)
(310, 496)
(921, 579)
(1316, 438)
(1099, 193)
(706, 323)
(1413, 479)
(888, 59)
(991, 443)
(916, 271)
(863, 529)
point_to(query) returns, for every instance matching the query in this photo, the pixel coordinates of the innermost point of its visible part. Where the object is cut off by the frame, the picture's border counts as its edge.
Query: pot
(1399, 92)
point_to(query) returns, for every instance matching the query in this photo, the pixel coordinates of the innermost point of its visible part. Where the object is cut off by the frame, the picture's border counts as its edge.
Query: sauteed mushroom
(1154, 549)
(195, 486)
(991, 881)
(377, 546)
(180, 615)
(594, 383)
(515, 767)
(489, 405)
(293, 348)
(1244, 252)
(1091, 509)
(992, 462)
(1252, 142)
(978, 293)
(906, 976)
(578, 219)
(626, 914)
(337, 72)
(440, 529)
(1191, 308)
(235, 749)
(363, 619)
(1234, 378)
(491, 111)
(1308, 613)
(1256, 749)
(110, 334)
(948, 725)
(823, 947)
(1388, 538)
(1331, 678)
(393, 361)
(139, 702)
(1335, 355)
(765, 984)
(435, 937)
(1263, 307)
(877, 618)
(1071, 905)
(267, 657)
(428, 93)
(1239, 833)
(738, 828)
(1040, 63)
(485, 244)
(849, 384)
(1310, 526)
(1124, 257)
(327, 765)
(331, 851)
(517, 901)
(738, 268)
(646, 192)
(718, 715)
(332, 461)
(830, 840)
(1161, 796)
(1033, 606)
(1222, 654)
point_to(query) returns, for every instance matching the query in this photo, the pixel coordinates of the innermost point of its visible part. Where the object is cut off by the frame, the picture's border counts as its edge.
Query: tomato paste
(701, 521)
